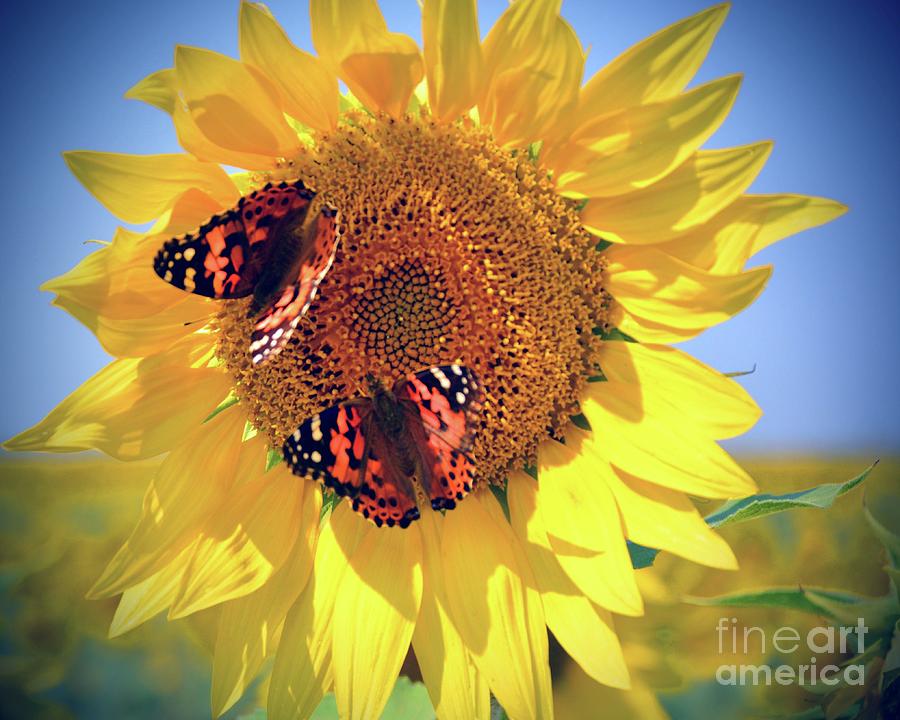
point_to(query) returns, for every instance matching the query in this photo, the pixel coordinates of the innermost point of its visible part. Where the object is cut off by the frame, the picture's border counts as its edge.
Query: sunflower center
(454, 250)
(404, 314)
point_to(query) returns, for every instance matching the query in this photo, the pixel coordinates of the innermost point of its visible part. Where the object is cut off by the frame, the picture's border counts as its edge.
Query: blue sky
(821, 79)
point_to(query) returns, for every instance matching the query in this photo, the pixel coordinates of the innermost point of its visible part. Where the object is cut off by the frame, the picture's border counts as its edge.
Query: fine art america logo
(829, 641)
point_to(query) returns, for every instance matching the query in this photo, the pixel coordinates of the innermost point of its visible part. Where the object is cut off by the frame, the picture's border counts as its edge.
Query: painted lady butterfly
(261, 247)
(369, 449)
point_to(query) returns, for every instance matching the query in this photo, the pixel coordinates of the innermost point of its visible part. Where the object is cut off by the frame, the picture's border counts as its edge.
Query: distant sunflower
(553, 237)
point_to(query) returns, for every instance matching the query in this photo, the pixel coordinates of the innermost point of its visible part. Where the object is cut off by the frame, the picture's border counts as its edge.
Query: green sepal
(273, 458)
(232, 399)
(613, 334)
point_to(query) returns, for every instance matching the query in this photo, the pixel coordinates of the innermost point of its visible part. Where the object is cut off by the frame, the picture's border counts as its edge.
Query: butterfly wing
(331, 446)
(276, 325)
(386, 496)
(443, 406)
(344, 448)
(224, 257)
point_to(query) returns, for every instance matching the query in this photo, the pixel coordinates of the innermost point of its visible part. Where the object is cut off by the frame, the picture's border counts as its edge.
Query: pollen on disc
(454, 251)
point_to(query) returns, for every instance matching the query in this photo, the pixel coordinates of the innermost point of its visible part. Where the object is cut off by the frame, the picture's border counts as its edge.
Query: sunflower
(552, 236)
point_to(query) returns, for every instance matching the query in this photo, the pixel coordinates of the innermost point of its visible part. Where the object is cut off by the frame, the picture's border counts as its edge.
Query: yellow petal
(177, 502)
(751, 223)
(533, 63)
(651, 285)
(159, 89)
(115, 293)
(234, 105)
(133, 408)
(148, 598)
(138, 188)
(634, 148)
(584, 630)
(248, 626)
(584, 528)
(309, 91)
(336, 25)
(452, 50)
(244, 544)
(661, 518)
(671, 383)
(701, 187)
(377, 606)
(302, 673)
(495, 606)
(381, 68)
(659, 451)
(655, 69)
(448, 671)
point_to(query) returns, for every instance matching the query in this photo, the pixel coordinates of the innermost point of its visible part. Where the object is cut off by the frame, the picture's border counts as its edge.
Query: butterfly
(370, 449)
(261, 247)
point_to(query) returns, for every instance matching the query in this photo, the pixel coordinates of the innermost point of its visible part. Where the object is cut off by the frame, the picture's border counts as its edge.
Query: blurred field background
(61, 521)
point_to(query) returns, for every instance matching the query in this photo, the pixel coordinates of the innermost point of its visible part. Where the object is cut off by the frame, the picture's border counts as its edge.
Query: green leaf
(755, 506)
(791, 598)
(888, 538)
(835, 604)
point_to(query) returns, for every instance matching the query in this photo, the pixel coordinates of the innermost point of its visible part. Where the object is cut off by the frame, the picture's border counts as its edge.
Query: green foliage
(408, 701)
(879, 696)
(811, 600)
(756, 506)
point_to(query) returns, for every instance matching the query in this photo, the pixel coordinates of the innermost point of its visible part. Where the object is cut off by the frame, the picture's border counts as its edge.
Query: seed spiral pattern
(454, 250)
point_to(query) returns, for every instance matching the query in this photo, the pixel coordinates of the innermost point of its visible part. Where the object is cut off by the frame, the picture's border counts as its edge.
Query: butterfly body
(264, 247)
(281, 267)
(393, 422)
(375, 449)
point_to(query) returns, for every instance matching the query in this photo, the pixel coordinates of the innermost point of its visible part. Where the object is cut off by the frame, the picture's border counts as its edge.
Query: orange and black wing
(344, 448)
(279, 320)
(224, 257)
(443, 409)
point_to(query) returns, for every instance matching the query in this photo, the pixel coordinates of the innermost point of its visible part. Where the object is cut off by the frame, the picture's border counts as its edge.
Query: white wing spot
(315, 428)
(460, 398)
(316, 456)
(189, 254)
(441, 378)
